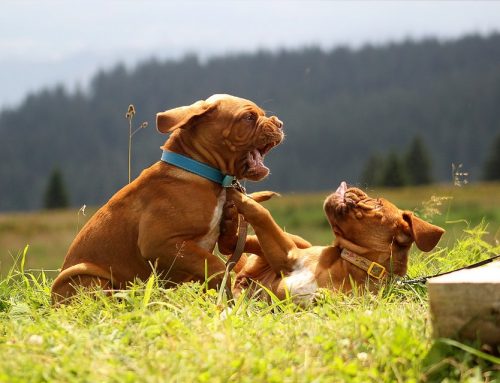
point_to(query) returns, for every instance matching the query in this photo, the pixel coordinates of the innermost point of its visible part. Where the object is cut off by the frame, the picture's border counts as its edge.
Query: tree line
(340, 107)
(414, 167)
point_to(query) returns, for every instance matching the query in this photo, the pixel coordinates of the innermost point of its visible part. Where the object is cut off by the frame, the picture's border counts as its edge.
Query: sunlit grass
(49, 234)
(186, 334)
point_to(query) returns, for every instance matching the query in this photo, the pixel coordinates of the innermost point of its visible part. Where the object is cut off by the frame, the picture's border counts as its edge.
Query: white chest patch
(209, 240)
(301, 284)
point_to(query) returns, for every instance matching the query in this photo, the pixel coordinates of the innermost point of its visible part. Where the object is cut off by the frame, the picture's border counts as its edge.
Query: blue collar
(198, 168)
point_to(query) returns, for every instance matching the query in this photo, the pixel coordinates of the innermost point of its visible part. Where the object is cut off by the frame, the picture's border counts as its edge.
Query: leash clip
(236, 185)
(228, 181)
(232, 182)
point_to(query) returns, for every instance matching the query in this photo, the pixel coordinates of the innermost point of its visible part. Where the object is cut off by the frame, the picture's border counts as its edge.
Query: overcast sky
(44, 42)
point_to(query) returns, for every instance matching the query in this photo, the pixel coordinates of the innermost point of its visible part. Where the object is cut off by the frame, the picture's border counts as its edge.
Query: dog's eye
(250, 117)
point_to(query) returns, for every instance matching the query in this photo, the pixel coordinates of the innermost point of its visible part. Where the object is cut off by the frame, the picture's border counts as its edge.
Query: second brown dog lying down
(372, 241)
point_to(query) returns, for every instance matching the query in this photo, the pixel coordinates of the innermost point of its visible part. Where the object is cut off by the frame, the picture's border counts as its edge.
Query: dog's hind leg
(66, 291)
(83, 274)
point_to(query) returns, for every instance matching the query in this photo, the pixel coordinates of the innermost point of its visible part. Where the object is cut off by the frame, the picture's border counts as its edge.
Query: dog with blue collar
(168, 219)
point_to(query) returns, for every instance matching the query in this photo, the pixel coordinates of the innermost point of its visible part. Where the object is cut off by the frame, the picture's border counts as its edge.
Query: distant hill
(339, 107)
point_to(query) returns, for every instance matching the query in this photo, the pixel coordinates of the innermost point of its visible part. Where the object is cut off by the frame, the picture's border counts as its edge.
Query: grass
(151, 334)
(186, 335)
(49, 233)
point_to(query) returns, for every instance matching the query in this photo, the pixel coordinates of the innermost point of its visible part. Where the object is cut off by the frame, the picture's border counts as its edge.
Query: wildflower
(362, 356)
(345, 342)
(225, 313)
(144, 125)
(35, 339)
(432, 207)
(130, 112)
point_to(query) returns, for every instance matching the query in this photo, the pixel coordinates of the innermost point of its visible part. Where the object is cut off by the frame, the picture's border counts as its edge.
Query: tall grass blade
(222, 287)
(470, 350)
(148, 291)
(23, 259)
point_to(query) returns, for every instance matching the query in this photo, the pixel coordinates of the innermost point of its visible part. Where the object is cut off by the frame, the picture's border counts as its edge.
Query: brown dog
(169, 218)
(373, 238)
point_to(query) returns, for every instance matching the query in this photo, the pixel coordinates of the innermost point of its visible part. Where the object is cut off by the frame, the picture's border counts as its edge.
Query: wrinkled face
(376, 225)
(371, 223)
(233, 133)
(246, 131)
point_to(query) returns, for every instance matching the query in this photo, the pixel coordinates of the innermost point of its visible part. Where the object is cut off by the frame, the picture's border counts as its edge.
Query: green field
(49, 234)
(150, 334)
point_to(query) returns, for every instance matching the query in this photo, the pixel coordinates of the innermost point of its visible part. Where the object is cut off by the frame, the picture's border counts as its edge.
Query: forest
(341, 107)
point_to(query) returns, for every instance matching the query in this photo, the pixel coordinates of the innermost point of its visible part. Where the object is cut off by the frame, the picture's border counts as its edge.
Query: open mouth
(256, 170)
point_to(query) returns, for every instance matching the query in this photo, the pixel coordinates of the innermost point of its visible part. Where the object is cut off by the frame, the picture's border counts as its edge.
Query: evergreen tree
(418, 164)
(491, 170)
(56, 196)
(338, 105)
(393, 174)
(372, 171)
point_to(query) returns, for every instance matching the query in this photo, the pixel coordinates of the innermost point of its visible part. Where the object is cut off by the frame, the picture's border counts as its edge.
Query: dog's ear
(425, 234)
(182, 117)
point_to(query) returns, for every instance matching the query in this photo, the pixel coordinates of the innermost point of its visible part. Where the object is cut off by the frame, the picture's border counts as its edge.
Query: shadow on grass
(450, 360)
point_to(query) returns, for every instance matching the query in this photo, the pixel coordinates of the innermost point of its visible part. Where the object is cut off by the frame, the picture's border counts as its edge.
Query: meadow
(151, 334)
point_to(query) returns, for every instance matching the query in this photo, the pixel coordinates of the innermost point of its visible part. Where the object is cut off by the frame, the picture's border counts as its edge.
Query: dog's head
(377, 224)
(232, 133)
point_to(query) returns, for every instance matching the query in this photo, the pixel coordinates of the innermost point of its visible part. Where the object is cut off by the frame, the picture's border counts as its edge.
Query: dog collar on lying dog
(373, 269)
(199, 168)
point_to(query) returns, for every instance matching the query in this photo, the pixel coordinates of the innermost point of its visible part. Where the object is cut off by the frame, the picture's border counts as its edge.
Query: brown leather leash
(377, 271)
(242, 234)
(240, 244)
(422, 280)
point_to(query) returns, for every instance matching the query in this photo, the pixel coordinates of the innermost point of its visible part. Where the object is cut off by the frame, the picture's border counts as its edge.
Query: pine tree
(372, 172)
(418, 164)
(491, 170)
(56, 196)
(393, 174)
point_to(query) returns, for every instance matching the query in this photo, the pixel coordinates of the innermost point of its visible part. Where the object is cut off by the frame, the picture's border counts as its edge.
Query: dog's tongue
(256, 158)
(341, 189)
(256, 163)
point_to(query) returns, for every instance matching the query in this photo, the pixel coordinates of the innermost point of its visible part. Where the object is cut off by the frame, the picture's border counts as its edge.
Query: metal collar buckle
(378, 267)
